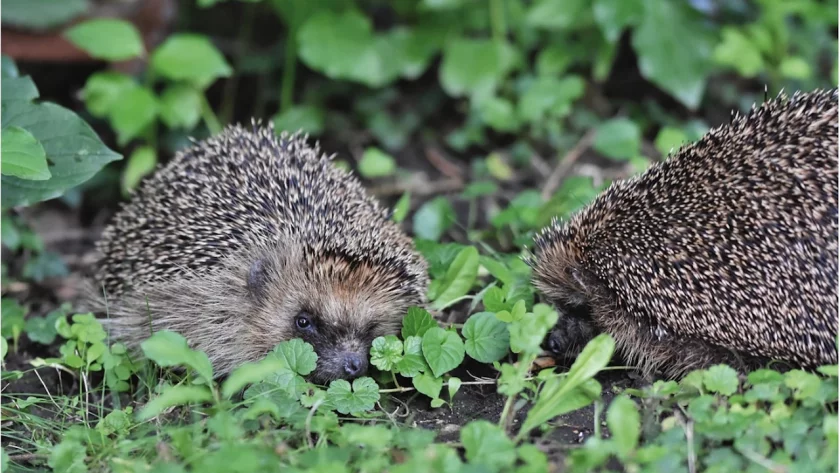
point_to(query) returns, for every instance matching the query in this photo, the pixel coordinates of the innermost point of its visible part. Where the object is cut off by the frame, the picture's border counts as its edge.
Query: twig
(26, 456)
(765, 462)
(309, 422)
(688, 427)
(446, 167)
(566, 164)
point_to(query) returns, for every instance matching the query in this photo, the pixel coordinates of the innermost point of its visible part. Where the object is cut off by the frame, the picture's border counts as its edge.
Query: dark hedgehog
(726, 252)
(248, 239)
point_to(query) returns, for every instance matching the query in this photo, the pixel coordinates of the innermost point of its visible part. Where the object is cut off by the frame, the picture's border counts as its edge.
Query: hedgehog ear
(258, 278)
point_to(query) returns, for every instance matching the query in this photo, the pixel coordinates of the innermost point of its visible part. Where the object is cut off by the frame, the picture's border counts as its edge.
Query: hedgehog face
(336, 305)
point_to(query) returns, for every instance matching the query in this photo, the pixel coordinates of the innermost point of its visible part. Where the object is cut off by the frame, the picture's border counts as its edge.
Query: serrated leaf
(376, 163)
(624, 422)
(174, 396)
(386, 352)
(443, 350)
(459, 278)
(69, 455)
(192, 58)
(22, 155)
(298, 356)
(721, 379)
(487, 445)
(486, 338)
(107, 38)
(170, 349)
(362, 397)
(180, 106)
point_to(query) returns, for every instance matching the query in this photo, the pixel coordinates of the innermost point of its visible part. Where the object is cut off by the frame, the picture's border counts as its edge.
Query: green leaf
(474, 67)
(140, 164)
(251, 373)
(71, 146)
(401, 208)
(670, 138)
(739, 52)
(363, 397)
(298, 355)
(804, 384)
(42, 329)
(180, 106)
(619, 138)
(487, 445)
(479, 189)
(549, 96)
(433, 219)
(12, 318)
(486, 337)
(453, 384)
(459, 278)
(499, 114)
(69, 455)
(170, 349)
(721, 379)
(428, 384)
(674, 50)
(528, 333)
(417, 322)
(104, 90)
(376, 163)
(412, 362)
(624, 422)
(137, 109)
(551, 14)
(174, 396)
(23, 156)
(8, 68)
(306, 118)
(106, 38)
(795, 68)
(191, 58)
(443, 350)
(613, 16)
(553, 60)
(42, 14)
(4, 348)
(386, 352)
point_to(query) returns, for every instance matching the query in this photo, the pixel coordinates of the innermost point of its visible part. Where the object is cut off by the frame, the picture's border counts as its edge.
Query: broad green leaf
(401, 208)
(619, 138)
(474, 67)
(362, 397)
(22, 155)
(170, 349)
(562, 15)
(674, 50)
(549, 96)
(487, 445)
(498, 269)
(306, 118)
(107, 38)
(180, 106)
(553, 60)
(104, 90)
(738, 51)
(428, 384)
(624, 422)
(413, 362)
(192, 58)
(613, 16)
(140, 164)
(386, 352)
(804, 384)
(433, 219)
(298, 355)
(174, 396)
(376, 163)
(69, 455)
(12, 319)
(459, 278)
(251, 373)
(721, 379)
(486, 338)
(136, 109)
(443, 350)
(42, 14)
(417, 322)
(71, 146)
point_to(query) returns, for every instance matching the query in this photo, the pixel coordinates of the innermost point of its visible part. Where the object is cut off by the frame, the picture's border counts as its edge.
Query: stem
(287, 87)
(209, 117)
(394, 377)
(599, 407)
(497, 21)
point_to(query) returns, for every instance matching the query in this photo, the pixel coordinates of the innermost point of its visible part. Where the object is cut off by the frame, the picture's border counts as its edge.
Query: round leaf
(386, 352)
(375, 163)
(433, 218)
(721, 379)
(618, 138)
(473, 66)
(106, 38)
(362, 397)
(443, 350)
(486, 337)
(191, 58)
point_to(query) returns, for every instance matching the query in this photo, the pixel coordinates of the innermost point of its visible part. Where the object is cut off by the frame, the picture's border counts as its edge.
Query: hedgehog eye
(303, 321)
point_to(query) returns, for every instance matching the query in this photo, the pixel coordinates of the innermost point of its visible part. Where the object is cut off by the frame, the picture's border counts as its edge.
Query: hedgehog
(725, 252)
(248, 239)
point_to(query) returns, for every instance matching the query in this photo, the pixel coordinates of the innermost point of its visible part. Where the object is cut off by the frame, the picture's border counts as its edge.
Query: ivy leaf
(376, 163)
(192, 58)
(412, 362)
(362, 397)
(174, 396)
(624, 422)
(674, 50)
(386, 352)
(443, 350)
(459, 278)
(22, 155)
(107, 38)
(619, 138)
(488, 445)
(180, 106)
(721, 379)
(170, 349)
(486, 338)
(613, 16)
(433, 219)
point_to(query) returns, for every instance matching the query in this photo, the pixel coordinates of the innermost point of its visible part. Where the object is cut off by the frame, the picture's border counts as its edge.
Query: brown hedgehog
(725, 252)
(248, 239)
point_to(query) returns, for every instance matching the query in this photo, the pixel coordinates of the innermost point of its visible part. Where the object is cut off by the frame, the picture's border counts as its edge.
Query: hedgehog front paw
(569, 336)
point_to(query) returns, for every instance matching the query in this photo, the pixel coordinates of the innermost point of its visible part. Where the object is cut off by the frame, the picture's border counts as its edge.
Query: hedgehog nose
(354, 365)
